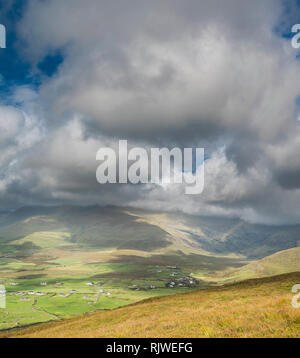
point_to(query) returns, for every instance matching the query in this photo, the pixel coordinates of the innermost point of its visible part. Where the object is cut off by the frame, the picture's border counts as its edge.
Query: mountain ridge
(134, 228)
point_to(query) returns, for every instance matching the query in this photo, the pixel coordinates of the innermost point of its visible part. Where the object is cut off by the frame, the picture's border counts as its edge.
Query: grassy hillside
(90, 227)
(253, 308)
(281, 262)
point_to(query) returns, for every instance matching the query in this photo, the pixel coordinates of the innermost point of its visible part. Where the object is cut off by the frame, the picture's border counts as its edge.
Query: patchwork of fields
(252, 308)
(61, 279)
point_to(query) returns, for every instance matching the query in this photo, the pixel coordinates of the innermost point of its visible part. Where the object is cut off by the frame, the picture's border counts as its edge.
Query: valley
(59, 262)
(256, 308)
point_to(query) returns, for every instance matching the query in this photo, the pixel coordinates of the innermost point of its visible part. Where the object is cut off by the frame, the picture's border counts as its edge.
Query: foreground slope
(253, 308)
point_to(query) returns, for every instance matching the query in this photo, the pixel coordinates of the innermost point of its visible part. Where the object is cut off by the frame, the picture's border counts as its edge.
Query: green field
(114, 285)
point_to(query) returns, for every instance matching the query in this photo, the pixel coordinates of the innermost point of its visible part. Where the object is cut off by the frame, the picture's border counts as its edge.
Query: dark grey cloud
(288, 179)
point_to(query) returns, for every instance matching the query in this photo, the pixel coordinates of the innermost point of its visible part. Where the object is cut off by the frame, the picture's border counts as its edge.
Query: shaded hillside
(88, 226)
(222, 236)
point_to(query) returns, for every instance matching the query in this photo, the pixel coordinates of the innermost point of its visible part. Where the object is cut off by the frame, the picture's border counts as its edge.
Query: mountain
(201, 313)
(127, 228)
(89, 226)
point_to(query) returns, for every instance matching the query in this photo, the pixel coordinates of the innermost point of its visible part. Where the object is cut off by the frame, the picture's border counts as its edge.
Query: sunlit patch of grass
(45, 240)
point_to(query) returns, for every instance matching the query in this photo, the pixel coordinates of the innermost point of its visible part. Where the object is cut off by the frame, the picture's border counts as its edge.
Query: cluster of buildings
(186, 281)
(28, 293)
(99, 284)
(61, 294)
(137, 288)
(174, 281)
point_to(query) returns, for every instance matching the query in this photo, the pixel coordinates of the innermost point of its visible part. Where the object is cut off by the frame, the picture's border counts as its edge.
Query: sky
(80, 75)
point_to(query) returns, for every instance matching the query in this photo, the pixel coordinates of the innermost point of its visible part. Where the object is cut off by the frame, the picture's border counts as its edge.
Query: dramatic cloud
(158, 73)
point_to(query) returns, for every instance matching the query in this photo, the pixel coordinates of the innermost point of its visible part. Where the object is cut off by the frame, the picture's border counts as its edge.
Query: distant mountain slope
(127, 228)
(203, 313)
(221, 236)
(227, 236)
(279, 263)
(88, 226)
